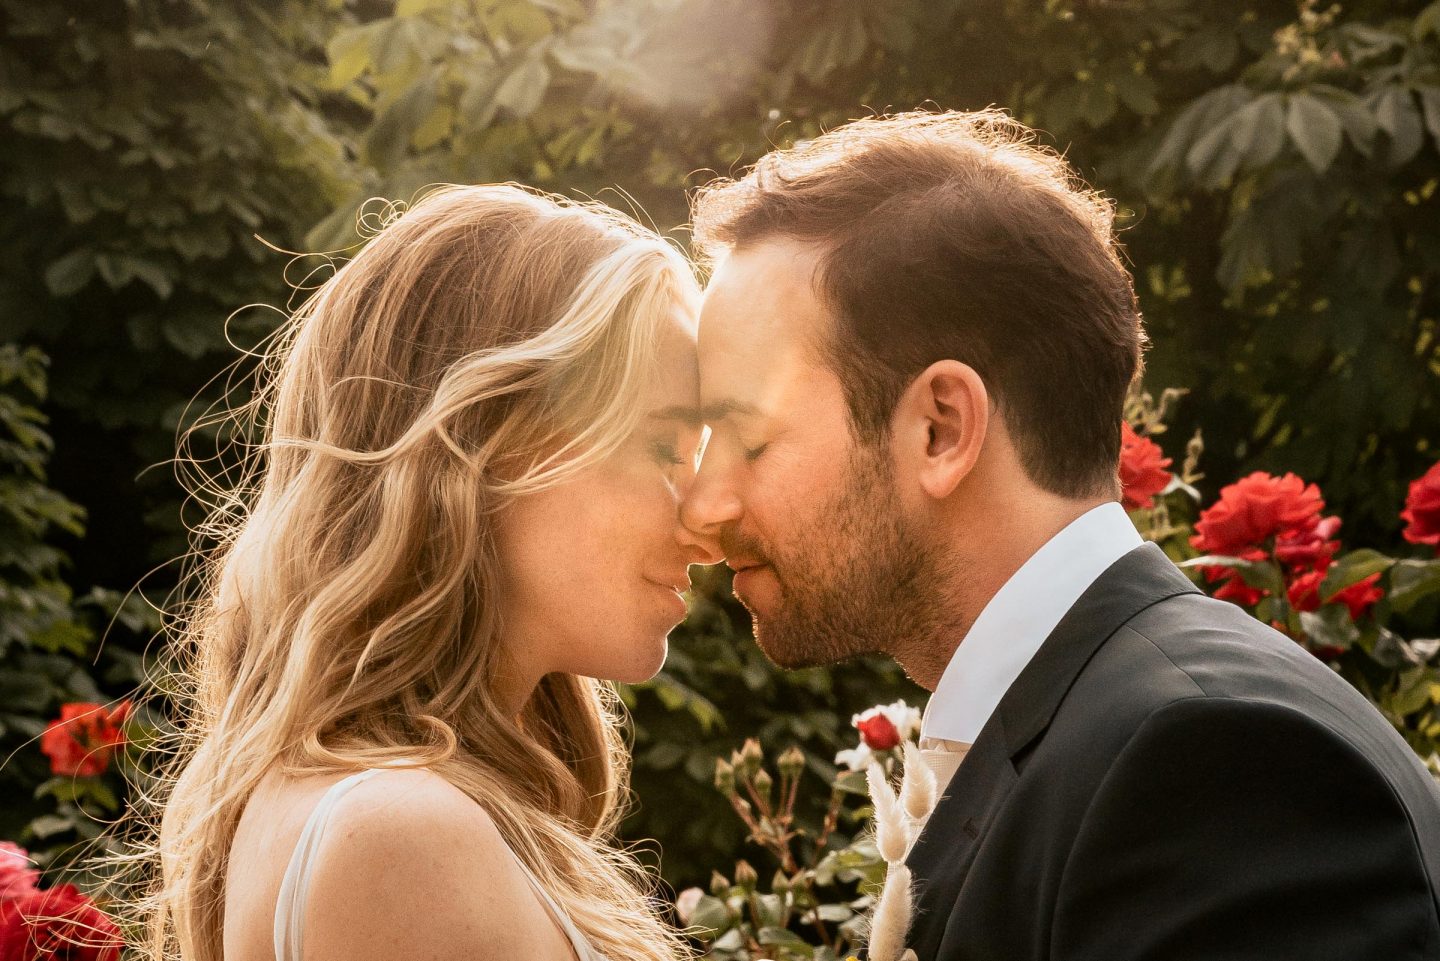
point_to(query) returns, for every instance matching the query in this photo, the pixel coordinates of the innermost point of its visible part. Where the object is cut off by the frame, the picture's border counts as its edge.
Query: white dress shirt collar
(1019, 618)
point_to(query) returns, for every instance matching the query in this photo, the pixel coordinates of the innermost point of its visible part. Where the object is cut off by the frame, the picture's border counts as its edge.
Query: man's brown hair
(954, 235)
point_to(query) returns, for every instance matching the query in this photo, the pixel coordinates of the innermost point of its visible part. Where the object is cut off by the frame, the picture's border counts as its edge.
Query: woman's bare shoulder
(411, 867)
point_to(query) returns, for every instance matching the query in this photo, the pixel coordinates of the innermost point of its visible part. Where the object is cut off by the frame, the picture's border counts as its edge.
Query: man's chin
(791, 649)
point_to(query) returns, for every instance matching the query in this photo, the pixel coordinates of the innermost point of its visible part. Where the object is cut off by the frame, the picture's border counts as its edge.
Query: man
(915, 347)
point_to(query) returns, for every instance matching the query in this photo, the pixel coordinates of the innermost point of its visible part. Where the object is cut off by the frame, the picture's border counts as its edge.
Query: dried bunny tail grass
(891, 921)
(337, 614)
(891, 833)
(918, 790)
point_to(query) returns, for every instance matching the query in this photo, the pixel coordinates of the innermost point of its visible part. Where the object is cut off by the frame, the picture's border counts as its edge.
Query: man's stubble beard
(858, 584)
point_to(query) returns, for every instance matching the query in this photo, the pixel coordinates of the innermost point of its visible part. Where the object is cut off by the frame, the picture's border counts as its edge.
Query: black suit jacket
(1169, 779)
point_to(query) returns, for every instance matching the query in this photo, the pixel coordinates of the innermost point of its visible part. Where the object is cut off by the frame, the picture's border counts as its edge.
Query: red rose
(1235, 589)
(1311, 547)
(1360, 596)
(1422, 509)
(1142, 468)
(84, 739)
(1255, 509)
(877, 731)
(17, 877)
(60, 924)
(1304, 593)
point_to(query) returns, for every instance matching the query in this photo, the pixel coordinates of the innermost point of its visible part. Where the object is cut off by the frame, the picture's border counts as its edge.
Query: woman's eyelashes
(667, 452)
(752, 454)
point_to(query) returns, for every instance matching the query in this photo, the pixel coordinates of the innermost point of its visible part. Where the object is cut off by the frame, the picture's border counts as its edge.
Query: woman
(476, 434)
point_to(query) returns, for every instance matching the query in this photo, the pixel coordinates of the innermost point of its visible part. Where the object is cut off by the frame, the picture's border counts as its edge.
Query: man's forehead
(760, 307)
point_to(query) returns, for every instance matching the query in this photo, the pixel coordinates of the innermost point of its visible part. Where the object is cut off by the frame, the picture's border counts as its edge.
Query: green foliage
(148, 146)
(46, 634)
(716, 690)
(1275, 172)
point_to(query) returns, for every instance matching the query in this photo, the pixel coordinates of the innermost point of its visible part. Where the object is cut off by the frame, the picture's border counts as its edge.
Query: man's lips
(743, 565)
(745, 576)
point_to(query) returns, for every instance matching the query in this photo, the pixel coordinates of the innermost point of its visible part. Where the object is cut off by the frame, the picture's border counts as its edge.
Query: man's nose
(710, 504)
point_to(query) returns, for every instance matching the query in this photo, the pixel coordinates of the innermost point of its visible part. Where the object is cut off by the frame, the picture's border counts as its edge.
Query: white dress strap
(295, 888)
(578, 943)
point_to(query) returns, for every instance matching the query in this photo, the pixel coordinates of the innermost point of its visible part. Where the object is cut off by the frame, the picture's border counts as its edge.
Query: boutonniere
(899, 818)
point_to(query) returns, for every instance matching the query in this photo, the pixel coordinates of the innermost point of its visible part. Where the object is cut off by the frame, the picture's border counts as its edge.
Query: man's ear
(941, 424)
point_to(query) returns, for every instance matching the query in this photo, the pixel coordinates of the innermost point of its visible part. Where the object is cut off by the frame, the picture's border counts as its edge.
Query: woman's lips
(677, 602)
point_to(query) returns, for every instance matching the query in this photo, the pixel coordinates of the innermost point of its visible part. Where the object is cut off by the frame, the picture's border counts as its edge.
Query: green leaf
(1428, 22)
(71, 272)
(571, 9)
(1355, 116)
(1315, 130)
(711, 916)
(1255, 573)
(1398, 116)
(410, 8)
(434, 129)
(47, 825)
(1259, 130)
(664, 755)
(1430, 104)
(852, 782)
(1137, 91)
(777, 935)
(731, 940)
(1214, 157)
(1330, 625)
(834, 913)
(1351, 568)
(524, 88)
(836, 41)
(770, 910)
(1412, 693)
(392, 130)
(1411, 582)
(349, 54)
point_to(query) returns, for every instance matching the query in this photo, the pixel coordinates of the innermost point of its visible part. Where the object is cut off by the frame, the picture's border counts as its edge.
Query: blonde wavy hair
(488, 342)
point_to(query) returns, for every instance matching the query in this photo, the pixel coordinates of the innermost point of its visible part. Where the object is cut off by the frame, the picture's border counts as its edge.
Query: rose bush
(49, 924)
(1264, 543)
(825, 880)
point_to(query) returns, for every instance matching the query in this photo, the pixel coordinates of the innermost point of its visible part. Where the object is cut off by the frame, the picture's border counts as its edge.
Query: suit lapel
(947, 846)
(942, 854)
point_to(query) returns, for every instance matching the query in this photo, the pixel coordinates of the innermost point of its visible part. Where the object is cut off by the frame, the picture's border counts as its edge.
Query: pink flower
(17, 877)
(686, 903)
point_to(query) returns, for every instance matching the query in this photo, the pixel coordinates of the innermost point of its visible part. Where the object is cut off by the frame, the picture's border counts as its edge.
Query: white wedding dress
(294, 889)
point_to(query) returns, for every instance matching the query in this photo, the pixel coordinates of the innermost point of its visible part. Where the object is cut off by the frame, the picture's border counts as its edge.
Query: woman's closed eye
(668, 453)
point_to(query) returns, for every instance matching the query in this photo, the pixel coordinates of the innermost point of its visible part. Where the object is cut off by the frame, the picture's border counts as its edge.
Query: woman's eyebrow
(686, 414)
(722, 409)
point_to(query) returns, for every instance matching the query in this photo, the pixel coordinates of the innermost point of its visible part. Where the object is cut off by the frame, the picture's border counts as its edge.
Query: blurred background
(1274, 168)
